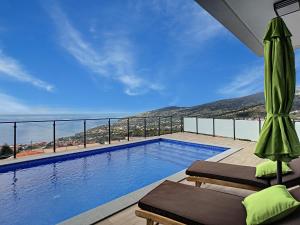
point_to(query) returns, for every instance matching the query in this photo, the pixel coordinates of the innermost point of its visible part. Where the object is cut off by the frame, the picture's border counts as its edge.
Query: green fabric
(269, 169)
(278, 139)
(269, 205)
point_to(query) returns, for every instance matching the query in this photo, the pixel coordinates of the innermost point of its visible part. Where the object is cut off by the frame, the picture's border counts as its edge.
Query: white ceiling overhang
(248, 19)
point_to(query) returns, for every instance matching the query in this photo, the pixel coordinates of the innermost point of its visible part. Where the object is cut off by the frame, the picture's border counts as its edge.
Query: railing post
(54, 142)
(233, 128)
(214, 130)
(181, 124)
(109, 138)
(197, 131)
(171, 125)
(15, 140)
(128, 129)
(159, 126)
(145, 127)
(84, 133)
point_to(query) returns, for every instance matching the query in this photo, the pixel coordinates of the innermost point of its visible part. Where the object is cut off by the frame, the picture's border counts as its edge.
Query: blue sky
(118, 56)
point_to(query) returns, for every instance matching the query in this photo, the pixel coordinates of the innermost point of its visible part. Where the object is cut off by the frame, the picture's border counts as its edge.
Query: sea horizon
(43, 131)
(58, 116)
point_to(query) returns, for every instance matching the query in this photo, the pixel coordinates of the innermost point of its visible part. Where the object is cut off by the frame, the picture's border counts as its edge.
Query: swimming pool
(50, 190)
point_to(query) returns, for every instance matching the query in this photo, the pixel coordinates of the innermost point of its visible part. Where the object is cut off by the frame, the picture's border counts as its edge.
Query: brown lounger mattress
(227, 172)
(192, 205)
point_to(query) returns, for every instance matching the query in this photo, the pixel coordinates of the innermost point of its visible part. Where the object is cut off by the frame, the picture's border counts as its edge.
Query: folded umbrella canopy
(278, 139)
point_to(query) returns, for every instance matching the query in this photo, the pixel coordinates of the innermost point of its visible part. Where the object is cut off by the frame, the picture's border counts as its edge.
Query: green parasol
(278, 139)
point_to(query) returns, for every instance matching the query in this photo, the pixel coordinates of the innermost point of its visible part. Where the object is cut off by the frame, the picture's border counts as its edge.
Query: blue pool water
(51, 190)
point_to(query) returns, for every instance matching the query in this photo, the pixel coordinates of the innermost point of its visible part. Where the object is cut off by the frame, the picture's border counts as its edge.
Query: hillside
(248, 106)
(251, 106)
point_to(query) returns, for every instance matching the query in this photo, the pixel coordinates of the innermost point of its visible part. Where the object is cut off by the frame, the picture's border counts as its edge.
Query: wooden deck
(243, 157)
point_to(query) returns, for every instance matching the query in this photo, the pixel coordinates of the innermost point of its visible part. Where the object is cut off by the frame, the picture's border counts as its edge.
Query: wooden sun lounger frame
(153, 219)
(199, 180)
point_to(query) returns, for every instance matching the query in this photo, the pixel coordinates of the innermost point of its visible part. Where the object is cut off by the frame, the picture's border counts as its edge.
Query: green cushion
(269, 205)
(269, 169)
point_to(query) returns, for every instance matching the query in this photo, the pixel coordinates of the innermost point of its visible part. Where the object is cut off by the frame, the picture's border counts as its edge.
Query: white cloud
(11, 105)
(184, 27)
(196, 24)
(114, 61)
(249, 81)
(12, 68)
(185, 20)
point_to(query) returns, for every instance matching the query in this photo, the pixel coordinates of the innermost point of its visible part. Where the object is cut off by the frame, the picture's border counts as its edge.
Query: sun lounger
(177, 204)
(237, 176)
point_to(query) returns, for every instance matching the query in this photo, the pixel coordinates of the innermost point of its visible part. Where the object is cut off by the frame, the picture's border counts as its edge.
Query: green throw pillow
(269, 205)
(269, 169)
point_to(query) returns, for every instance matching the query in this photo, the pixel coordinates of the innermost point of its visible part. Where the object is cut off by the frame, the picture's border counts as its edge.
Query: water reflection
(14, 186)
(53, 177)
(108, 156)
(85, 169)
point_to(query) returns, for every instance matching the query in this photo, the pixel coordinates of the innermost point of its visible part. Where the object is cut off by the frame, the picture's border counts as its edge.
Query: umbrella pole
(279, 172)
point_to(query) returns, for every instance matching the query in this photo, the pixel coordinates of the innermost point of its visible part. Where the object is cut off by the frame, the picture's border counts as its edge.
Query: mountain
(251, 106)
(248, 106)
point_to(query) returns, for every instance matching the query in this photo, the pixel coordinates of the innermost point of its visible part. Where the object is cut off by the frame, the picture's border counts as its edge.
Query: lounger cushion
(269, 169)
(269, 205)
(227, 172)
(191, 205)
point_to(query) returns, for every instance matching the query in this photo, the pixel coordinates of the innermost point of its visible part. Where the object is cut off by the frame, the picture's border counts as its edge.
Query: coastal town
(118, 131)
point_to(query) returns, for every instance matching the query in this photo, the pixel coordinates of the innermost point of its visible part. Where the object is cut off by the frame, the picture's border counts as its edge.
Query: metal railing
(236, 128)
(223, 127)
(165, 125)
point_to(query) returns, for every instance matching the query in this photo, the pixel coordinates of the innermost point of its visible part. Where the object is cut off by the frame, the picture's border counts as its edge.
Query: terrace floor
(243, 157)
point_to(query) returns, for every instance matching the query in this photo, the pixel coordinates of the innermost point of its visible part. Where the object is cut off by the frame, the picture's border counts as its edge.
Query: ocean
(43, 132)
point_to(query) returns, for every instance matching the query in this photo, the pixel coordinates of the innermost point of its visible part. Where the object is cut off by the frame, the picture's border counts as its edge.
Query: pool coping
(104, 211)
